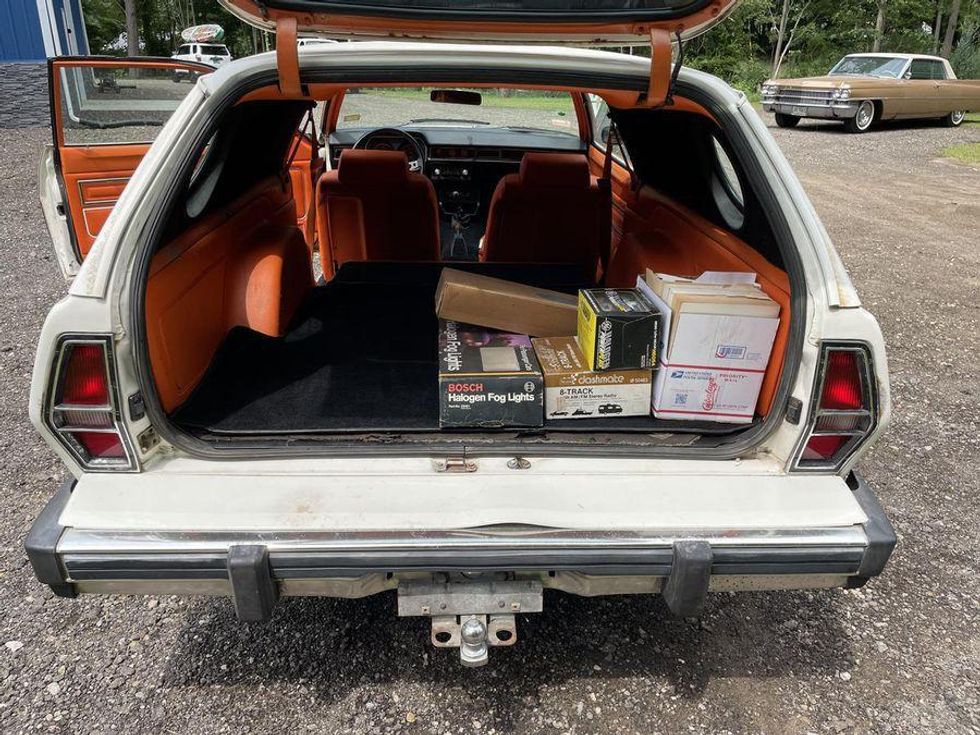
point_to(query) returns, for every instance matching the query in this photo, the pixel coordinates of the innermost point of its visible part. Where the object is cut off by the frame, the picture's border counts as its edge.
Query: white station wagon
(242, 380)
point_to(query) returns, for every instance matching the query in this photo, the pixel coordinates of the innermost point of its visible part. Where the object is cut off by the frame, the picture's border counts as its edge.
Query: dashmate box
(488, 378)
(572, 391)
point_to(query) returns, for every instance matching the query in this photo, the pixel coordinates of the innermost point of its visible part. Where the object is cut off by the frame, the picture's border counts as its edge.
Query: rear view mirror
(456, 97)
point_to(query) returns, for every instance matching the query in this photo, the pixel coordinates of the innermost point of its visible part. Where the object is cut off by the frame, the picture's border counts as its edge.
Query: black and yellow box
(617, 329)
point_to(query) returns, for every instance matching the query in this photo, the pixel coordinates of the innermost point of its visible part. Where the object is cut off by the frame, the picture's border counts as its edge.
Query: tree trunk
(954, 16)
(780, 38)
(937, 28)
(132, 29)
(879, 27)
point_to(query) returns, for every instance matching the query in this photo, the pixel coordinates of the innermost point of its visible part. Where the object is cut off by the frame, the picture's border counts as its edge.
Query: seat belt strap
(287, 57)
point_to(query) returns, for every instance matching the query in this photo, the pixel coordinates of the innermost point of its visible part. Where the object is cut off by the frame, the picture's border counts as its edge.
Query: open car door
(595, 22)
(105, 113)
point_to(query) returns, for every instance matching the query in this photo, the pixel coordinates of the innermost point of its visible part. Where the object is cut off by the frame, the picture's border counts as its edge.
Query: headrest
(556, 170)
(371, 167)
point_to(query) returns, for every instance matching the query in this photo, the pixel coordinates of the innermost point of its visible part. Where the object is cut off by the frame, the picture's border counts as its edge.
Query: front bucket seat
(373, 208)
(550, 212)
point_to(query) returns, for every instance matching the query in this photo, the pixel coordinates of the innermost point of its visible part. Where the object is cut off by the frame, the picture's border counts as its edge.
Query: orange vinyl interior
(652, 231)
(244, 265)
(249, 264)
(94, 177)
(373, 208)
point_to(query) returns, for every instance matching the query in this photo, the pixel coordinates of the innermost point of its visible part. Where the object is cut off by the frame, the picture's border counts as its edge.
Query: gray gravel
(900, 655)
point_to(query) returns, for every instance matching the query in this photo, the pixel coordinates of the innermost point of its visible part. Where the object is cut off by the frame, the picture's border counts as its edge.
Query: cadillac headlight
(843, 93)
(769, 90)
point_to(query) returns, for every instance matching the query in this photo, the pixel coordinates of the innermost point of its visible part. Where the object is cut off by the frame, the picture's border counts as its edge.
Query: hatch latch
(287, 57)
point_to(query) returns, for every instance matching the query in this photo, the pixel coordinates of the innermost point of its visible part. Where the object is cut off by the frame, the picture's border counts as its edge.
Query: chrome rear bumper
(358, 563)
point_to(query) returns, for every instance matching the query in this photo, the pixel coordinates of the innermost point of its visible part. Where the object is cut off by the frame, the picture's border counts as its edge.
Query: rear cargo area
(360, 356)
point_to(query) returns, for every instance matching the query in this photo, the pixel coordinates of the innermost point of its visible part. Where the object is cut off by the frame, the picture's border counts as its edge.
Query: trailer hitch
(472, 615)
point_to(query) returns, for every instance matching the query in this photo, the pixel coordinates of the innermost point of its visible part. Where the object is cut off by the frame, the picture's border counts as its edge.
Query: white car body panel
(408, 494)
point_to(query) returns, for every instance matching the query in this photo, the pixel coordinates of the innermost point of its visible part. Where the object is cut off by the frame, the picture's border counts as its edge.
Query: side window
(104, 104)
(920, 69)
(599, 109)
(938, 69)
(726, 187)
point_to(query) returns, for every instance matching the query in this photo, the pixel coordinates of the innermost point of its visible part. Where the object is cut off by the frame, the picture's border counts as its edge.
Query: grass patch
(964, 152)
(561, 102)
(972, 118)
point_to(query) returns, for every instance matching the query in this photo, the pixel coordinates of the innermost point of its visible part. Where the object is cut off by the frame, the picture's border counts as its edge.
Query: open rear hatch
(594, 22)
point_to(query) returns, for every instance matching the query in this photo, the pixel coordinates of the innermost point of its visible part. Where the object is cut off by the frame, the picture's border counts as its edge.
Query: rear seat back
(246, 264)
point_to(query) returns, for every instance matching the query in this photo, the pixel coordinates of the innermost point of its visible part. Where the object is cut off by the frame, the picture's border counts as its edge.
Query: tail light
(83, 406)
(844, 410)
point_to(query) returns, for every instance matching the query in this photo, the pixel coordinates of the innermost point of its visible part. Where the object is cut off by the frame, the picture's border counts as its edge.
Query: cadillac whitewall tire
(954, 119)
(863, 119)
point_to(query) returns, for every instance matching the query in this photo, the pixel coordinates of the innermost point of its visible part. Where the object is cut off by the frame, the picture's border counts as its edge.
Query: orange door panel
(105, 114)
(93, 178)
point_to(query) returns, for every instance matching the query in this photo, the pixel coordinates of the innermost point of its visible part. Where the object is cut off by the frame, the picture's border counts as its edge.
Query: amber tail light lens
(844, 412)
(83, 408)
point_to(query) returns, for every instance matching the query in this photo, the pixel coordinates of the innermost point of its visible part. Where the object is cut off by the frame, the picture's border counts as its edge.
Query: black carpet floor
(360, 356)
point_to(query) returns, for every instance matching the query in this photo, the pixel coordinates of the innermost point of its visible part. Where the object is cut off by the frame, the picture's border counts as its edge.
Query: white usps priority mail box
(717, 343)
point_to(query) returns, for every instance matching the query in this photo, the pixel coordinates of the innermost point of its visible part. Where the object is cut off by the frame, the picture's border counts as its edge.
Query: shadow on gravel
(334, 646)
(815, 125)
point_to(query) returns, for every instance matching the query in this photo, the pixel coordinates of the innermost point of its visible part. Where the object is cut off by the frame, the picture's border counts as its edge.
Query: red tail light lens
(844, 413)
(85, 381)
(83, 408)
(100, 445)
(842, 382)
(823, 448)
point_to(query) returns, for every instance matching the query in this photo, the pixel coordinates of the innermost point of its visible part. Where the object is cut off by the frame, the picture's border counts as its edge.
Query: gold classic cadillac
(862, 89)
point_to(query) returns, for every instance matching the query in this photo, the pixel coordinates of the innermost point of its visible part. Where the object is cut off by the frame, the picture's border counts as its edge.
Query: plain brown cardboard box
(512, 307)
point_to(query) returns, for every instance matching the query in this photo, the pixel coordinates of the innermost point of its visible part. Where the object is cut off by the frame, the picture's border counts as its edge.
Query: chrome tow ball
(473, 635)
(471, 615)
(473, 649)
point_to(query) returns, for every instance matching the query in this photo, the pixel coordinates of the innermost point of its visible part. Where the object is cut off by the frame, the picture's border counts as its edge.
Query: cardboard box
(617, 329)
(487, 378)
(573, 391)
(469, 298)
(718, 336)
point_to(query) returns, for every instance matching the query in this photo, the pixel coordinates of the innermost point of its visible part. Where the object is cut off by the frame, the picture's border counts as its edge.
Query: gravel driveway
(900, 655)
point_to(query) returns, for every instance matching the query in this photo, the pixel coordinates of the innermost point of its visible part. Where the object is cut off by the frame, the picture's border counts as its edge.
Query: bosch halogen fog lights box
(572, 391)
(488, 378)
(617, 329)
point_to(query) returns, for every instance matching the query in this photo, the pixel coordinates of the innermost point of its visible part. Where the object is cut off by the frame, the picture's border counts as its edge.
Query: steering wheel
(410, 147)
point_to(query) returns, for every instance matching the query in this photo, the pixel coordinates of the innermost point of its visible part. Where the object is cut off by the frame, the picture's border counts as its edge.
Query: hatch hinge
(287, 57)
(663, 74)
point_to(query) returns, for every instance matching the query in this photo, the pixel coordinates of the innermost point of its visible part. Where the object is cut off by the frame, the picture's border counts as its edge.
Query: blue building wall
(21, 36)
(32, 31)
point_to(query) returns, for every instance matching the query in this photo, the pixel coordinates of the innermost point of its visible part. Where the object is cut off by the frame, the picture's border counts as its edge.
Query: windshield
(375, 107)
(870, 66)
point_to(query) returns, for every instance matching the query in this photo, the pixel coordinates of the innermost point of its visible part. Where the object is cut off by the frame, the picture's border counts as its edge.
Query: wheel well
(878, 109)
